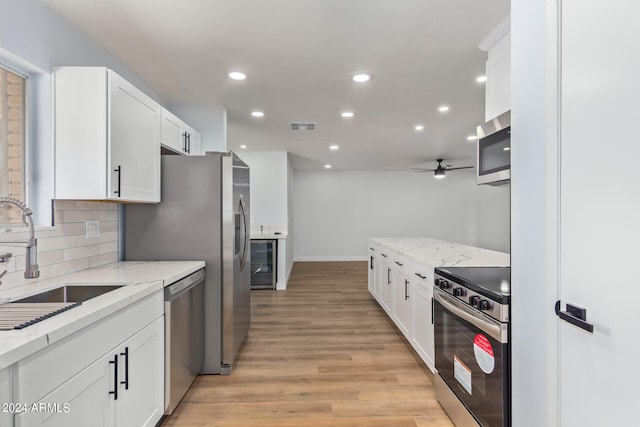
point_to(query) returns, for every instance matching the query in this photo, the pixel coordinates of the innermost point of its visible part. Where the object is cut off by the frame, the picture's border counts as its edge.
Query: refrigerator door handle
(245, 243)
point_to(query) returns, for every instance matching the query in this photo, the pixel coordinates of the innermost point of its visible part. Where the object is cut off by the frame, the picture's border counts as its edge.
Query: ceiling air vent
(302, 125)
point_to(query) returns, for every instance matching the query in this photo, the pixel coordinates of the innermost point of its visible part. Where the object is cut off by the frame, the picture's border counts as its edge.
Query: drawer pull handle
(399, 263)
(420, 275)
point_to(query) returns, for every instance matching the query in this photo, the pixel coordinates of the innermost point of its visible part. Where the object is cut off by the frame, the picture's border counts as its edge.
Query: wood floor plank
(321, 353)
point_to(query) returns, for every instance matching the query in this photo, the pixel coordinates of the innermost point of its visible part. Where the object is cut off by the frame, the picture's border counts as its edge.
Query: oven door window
(474, 365)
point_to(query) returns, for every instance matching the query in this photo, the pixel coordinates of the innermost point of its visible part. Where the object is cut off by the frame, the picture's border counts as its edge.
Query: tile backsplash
(64, 249)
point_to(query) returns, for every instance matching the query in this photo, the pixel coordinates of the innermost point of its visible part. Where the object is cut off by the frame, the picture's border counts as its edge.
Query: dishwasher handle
(178, 288)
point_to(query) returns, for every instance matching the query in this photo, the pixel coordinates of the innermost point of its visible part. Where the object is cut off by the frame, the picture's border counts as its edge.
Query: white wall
(291, 220)
(209, 120)
(268, 170)
(535, 210)
(336, 211)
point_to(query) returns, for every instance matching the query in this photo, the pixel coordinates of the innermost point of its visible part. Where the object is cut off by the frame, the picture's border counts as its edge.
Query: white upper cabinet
(179, 137)
(498, 70)
(172, 132)
(107, 137)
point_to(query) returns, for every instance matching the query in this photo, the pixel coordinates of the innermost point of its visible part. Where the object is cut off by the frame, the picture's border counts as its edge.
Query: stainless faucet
(31, 260)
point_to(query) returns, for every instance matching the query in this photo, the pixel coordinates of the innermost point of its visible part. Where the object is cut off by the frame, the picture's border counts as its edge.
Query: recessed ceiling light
(507, 148)
(243, 146)
(257, 114)
(237, 75)
(481, 79)
(333, 147)
(472, 138)
(360, 77)
(327, 166)
(443, 108)
(419, 128)
(347, 114)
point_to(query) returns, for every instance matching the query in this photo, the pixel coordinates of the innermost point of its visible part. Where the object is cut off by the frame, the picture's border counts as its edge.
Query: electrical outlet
(92, 229)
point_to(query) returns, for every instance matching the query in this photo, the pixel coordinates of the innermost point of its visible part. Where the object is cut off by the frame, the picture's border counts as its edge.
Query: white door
(600, 212)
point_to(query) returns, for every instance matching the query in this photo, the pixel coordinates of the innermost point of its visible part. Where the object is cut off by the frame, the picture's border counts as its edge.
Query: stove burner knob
(444, 284)
(473, 300)
(436, 282)
(484, 305)
(458, 292)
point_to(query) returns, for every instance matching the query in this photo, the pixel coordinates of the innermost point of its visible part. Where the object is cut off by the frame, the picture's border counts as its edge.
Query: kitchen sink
(27, 311)
(70, 293)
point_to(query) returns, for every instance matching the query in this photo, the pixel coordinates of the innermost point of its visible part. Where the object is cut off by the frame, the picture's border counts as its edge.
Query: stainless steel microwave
(494, 151)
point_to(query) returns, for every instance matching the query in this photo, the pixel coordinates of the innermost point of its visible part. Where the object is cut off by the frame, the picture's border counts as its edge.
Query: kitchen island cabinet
(385, 274)
(406, 274)
(107, 137)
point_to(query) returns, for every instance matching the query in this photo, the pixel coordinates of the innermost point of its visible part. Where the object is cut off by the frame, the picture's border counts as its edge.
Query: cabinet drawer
(40, 373)
(399, 263)
(420, 274)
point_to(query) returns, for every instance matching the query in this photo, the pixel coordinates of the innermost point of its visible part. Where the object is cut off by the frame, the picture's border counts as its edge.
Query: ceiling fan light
(439, 173)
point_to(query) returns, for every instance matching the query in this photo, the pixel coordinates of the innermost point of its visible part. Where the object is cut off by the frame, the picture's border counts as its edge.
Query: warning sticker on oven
(462, 374)
(484, 353)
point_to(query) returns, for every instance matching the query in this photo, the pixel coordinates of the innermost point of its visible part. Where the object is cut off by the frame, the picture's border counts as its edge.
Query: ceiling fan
(440, 170)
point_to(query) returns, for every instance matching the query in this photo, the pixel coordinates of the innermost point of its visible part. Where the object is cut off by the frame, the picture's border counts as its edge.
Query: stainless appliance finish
(184, 333)
(494, 151)
(472, 350)
(203, 215)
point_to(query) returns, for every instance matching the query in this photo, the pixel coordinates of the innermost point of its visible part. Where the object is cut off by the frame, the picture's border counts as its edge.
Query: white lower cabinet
(403, 304)
(6, 397)
(141, 379)
(110, 374)
(78, 401)
(404, 289)
(422, 336)
(386, 285)
(372, 272)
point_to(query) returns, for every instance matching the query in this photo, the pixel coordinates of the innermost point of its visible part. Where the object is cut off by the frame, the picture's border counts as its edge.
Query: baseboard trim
(330, 258)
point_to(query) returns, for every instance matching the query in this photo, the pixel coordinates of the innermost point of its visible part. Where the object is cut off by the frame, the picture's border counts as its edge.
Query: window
(12, 142)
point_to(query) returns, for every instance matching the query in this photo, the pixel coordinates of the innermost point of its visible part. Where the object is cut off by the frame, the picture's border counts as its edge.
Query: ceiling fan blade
(462, 167)
(422, 170)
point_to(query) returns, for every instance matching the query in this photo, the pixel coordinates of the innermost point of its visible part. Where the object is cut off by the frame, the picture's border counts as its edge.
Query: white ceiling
(298, 55)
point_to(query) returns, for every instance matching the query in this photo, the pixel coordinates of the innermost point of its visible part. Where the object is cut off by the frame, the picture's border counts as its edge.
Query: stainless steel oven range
(472, 350)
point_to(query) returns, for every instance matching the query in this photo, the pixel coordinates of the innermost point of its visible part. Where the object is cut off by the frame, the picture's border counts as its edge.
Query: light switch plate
(92, 229)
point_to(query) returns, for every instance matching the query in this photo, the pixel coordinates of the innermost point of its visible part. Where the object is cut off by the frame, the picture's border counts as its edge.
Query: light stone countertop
(268, 236)
(438, 253)
(141, 279)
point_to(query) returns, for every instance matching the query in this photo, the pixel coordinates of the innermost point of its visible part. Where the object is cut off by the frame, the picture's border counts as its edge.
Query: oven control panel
(475, 299)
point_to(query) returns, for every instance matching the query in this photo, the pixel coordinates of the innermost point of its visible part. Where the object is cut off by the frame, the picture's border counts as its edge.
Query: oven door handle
(492, 329)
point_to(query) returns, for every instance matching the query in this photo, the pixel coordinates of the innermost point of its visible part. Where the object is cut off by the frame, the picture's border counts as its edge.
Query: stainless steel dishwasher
(184, 336)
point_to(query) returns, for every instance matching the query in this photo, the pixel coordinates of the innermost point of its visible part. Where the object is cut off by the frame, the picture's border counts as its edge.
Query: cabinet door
(386, 293)
(377, 283)
(82, 401)
(194, 143)
(402, 304)
(141, 378)
(372, 272)
(134, 149)
(422, 339)
(171, 132)
(6, 396)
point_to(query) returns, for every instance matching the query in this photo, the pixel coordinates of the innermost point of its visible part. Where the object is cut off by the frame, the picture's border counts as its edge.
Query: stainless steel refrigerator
(203, 215)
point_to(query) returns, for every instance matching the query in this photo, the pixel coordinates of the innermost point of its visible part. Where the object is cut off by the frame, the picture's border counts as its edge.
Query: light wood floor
(321, 353)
